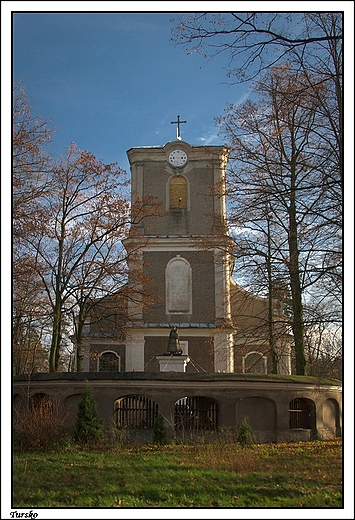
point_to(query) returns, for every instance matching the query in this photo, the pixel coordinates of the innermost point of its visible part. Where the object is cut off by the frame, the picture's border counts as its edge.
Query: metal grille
(196, 413)
(136, 411)
(300, 414)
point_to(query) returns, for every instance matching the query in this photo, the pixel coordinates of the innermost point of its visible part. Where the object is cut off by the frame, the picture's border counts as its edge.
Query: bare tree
(86, 204)
(254, 42)
(31, 160)
(70, 218)
(30, 169)
(76, 243)
(277, 163)
(323, 339)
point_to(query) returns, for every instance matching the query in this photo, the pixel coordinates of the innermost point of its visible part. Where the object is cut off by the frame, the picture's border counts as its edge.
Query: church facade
(186, 257)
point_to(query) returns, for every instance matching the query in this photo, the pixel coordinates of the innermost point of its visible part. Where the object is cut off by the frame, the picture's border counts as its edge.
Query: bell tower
(184, 255)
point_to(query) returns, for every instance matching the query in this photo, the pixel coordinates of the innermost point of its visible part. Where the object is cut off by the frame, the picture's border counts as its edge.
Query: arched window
(178, 286)
(302, 413)
(136, 411)
(254, 363)
(109, 361)
(178, 192)
(196, 413)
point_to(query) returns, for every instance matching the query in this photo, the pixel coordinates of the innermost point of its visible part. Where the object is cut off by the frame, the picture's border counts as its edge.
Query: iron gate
(300, 413)
(196, 413)
(136, 411)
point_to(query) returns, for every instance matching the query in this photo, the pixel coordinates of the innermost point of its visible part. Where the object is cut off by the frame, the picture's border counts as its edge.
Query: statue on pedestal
(174, 345)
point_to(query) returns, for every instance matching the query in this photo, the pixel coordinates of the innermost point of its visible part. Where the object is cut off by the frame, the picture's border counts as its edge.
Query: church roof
(177, 141)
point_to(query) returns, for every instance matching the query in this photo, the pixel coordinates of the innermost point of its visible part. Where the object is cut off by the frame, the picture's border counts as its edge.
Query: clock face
(177, 158)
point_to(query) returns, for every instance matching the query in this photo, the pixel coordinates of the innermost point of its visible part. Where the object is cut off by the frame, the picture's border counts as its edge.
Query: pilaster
(135, 351)
(223, 352)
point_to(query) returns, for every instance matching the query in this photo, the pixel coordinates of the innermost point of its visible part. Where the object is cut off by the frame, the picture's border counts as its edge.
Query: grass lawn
(304, 474)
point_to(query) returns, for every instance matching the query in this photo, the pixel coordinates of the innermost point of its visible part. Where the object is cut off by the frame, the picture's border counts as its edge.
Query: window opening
(178, 192)
(301, 413)
(196, 413)
(254, 363)
(109, 362)
(136, 412)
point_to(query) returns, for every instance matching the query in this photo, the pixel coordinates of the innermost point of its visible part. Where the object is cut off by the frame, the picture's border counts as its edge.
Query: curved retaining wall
(264, 400)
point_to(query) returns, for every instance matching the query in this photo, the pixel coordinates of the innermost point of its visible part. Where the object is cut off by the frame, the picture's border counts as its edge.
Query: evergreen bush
(89, 428)
(244, 436)
(159, 430)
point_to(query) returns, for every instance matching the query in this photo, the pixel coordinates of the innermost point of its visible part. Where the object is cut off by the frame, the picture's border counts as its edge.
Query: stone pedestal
(172, 363)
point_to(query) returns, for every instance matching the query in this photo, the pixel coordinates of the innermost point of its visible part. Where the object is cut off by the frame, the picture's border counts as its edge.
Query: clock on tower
(177, 158)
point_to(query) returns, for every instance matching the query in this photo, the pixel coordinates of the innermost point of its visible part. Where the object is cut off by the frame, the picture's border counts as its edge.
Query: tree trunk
(57, 314)
(79, 343)
(56, 337)
(296, 290)
(271, 300)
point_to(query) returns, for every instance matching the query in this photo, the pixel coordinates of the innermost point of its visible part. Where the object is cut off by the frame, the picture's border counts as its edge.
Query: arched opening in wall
(41, 401)
(43, 409)
(18, 406)
(135, 412)
(302, 414)
(109, 361)
(261, 414)
(331, 416)
(17, 401)
(71, 404)
(196, 413)
(254, 363)
(43, 423)
(178, 192)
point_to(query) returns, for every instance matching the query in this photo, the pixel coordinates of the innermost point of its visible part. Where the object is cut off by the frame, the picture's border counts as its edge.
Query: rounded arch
(108, 361)
(42, 410)
(17, 400)
(178, 190)
(71, 404)
(331, 415)
(135, 411)
(254, 362)
(18, 405)
(261, 413)
(302, 414)
(196, 413)
(178, 286)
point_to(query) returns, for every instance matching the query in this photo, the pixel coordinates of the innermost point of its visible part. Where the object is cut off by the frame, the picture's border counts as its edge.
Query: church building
(186, 257)
(182, 338)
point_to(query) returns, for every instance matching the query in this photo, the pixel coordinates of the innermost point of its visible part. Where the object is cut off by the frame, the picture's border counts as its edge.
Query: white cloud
(209, 139)
(243, 98)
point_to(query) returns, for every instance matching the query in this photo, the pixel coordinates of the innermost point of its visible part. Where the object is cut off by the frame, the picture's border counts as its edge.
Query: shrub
(42, 425)
(159, 430)
(89, 428)
(244, 436)
(117, 436)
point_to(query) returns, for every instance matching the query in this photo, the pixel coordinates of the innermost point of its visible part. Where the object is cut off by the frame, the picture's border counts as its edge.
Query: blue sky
(112, 81)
